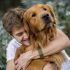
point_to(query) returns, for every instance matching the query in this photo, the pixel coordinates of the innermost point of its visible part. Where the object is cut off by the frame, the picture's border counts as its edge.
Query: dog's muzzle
(46, 19)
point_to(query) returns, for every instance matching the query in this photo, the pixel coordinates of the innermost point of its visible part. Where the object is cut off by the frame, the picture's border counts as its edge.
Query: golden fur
(40, 21)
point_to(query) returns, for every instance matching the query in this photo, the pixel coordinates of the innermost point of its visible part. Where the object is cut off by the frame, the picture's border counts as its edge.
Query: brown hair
(13, 18)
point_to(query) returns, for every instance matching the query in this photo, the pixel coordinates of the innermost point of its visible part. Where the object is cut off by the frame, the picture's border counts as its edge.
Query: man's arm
(59, 43)
(10, 65)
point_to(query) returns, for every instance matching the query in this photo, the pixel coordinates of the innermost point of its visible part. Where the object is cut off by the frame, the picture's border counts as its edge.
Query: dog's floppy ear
(50, 7)
(27, 28)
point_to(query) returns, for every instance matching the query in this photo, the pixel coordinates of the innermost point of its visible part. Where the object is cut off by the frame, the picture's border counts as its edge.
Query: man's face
(21, 35)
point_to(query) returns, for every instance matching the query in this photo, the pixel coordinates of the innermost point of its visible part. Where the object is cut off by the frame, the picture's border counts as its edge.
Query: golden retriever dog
(40, 21)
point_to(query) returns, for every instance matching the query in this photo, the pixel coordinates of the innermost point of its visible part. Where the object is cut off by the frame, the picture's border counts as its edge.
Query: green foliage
(7, 4)
(63, 10)
(68, 51)
(4, 39)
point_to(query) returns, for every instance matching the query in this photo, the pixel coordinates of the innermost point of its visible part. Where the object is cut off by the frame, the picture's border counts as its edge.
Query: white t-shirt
(11, 49)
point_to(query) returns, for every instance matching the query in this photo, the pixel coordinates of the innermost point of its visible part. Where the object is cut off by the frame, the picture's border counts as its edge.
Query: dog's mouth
(47, 26)
(47, 23)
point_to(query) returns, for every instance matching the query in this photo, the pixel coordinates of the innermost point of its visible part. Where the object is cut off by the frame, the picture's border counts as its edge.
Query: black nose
(45, 17)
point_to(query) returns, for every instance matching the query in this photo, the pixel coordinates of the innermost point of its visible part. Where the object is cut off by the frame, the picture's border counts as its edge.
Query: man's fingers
(21, 68)
(16, 66)
(16, 62)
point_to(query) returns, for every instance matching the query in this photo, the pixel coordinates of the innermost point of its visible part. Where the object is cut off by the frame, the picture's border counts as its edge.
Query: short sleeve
(11, 49)
(10, 52)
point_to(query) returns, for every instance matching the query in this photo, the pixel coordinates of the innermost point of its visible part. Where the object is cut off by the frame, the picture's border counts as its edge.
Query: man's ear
(51, 10)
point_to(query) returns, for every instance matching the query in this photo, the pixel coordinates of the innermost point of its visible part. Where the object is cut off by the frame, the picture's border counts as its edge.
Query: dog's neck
(45, 36)
(41, 37)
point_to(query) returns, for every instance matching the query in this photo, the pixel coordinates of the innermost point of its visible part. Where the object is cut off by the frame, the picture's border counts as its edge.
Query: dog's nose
(45, 17)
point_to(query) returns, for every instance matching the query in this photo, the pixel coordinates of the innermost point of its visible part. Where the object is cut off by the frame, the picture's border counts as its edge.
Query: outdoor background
(62, 8)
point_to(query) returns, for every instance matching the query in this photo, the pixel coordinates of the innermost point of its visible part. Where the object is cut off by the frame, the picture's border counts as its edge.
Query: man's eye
(20, 34)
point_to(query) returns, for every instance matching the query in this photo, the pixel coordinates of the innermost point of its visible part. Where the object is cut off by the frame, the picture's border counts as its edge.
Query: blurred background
(62, 8)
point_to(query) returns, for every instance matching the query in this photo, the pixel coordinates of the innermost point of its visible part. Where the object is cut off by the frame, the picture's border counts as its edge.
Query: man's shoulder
(13, 41)
(13, 44)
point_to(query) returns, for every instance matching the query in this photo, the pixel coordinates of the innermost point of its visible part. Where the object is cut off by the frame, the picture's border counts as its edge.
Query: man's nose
(25, 35)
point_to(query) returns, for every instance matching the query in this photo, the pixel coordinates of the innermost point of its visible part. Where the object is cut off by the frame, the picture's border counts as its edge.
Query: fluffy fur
(40, 21)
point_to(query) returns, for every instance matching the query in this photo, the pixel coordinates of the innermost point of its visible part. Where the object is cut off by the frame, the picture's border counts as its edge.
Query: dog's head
(39, 17)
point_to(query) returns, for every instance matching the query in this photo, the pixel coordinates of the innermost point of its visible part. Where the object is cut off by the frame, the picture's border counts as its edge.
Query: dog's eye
(34, 14)
(44, 9)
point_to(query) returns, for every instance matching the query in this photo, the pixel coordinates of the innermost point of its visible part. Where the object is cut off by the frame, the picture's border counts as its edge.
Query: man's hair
(13, 18)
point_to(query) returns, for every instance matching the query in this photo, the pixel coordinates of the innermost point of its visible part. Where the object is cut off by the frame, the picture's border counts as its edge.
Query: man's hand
(23, 61)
